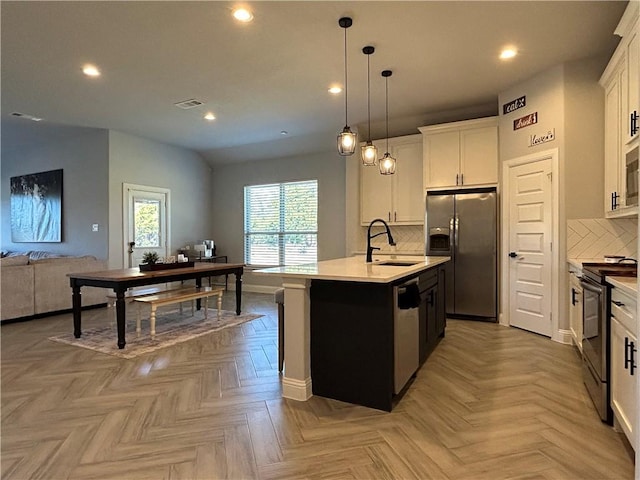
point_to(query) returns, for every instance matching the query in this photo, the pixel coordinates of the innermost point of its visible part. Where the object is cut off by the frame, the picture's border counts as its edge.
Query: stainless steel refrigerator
(462, 224)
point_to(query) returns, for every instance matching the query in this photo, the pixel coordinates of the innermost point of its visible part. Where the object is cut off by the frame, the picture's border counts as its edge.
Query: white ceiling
(273, 74)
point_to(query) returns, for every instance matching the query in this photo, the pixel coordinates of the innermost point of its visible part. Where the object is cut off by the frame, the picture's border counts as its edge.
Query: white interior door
(145, 222)
(530, 243)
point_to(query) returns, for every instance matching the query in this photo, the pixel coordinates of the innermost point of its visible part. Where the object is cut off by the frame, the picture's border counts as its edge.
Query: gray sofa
(39, 284)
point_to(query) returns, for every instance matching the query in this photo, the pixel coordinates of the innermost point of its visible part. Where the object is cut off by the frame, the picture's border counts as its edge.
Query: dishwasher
(406, 334)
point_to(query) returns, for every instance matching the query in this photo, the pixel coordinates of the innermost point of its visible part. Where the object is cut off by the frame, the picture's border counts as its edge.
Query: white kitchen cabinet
(461, 153)
(623, 362)
(575, 307)
(398, 198)
(621, 107)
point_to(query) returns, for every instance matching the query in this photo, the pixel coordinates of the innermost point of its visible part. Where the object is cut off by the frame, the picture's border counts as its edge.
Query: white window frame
(281, 232)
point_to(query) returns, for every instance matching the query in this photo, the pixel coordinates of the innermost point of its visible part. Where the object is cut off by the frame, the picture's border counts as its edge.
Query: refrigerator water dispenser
(439, 239)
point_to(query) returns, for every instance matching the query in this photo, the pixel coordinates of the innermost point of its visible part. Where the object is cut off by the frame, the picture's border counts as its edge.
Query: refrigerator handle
(452, 236)
(456, 227)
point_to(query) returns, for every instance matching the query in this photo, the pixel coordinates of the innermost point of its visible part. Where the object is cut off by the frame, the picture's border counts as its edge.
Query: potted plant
(150, 258)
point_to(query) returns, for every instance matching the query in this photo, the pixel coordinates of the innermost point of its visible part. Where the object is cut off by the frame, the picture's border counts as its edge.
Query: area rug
(171, 328)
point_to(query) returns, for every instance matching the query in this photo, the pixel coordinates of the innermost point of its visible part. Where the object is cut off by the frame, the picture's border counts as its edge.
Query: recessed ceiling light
(91, 70)
(335, 90)
(209, 116)
(242, 15)
(508, 53)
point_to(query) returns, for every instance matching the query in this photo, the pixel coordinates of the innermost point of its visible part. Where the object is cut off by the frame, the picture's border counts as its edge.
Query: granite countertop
(626, 284)
(355, 269)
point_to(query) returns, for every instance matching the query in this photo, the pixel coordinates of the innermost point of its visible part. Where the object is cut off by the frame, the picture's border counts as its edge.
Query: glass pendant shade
(369, 153)
(387, 164)
(347, 141)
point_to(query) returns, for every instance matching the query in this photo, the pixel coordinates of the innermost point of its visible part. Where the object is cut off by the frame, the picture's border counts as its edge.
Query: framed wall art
(36, 207)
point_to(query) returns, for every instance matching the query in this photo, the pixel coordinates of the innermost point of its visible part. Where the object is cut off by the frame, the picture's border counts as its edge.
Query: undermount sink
(397, 263)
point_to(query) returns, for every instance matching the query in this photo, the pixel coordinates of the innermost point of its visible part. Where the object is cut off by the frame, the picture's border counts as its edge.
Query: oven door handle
(591, 287)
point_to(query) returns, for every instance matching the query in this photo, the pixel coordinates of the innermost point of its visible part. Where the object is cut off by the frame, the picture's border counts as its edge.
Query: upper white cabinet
(461, 153)
(396, 198)
(621, 109)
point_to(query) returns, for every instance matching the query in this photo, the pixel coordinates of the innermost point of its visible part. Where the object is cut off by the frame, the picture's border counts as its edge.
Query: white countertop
(355, 269)
(626, 284)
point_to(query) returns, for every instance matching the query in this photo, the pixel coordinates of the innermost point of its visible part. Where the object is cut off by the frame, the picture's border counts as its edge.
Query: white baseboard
(296, 389)
(563, 336)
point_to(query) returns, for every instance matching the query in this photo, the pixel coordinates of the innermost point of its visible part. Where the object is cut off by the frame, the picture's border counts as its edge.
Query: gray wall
(83, 156)
(584, 145)
(145, 162)
(227, 202)
(568, 98)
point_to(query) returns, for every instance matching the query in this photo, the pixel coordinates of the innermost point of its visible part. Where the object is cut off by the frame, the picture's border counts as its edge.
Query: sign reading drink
(538, 139)
(525, 121)
(514, 105)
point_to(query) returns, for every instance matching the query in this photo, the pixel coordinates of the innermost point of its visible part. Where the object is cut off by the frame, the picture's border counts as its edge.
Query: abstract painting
(36, 207)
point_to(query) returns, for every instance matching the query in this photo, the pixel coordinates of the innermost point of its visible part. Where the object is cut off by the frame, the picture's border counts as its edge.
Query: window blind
(281, 223)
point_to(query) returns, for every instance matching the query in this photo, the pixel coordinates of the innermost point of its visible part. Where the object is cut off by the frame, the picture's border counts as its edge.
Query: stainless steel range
(596, 330)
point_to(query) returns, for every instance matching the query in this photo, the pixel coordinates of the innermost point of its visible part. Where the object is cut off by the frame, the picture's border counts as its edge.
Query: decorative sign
(514, 105)
(525, 121)
(538, 139)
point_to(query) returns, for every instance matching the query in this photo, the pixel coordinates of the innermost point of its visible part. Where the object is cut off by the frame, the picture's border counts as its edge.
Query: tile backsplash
(409, 238)
(596, 237)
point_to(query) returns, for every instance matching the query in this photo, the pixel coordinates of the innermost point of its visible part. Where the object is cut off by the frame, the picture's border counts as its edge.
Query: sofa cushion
(17, 289)
(14, 261)
(52, 286)
(66, 260)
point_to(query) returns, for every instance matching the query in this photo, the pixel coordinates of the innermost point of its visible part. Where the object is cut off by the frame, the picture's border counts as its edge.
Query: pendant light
(387, 163)
(347, 140)
(369, 152)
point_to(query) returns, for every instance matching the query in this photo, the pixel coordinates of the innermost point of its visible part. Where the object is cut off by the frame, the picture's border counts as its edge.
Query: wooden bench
(177, 296)
(142, 292)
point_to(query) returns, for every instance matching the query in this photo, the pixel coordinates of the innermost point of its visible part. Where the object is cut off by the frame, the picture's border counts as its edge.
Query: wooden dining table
(123, 279)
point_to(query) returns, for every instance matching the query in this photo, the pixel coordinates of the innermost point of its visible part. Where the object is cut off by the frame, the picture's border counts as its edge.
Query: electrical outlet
(94, 227)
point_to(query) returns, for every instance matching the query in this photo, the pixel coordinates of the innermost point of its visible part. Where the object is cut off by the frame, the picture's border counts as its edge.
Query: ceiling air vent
(187, 104)
(28, 117)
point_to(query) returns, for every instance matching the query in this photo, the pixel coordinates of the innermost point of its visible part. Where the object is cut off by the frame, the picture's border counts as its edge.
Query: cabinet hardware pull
(629, 355)
(462, 179)
(389, 216)
(626, 353)
(457, 179)
(634, 123)
(395, 216)
(573, 296)
(619, 304)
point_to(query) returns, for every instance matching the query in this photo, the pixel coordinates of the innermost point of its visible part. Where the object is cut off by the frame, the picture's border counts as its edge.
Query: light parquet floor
(490, 403)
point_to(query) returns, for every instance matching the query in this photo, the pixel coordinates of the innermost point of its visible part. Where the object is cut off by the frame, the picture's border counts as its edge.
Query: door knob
(513, 254)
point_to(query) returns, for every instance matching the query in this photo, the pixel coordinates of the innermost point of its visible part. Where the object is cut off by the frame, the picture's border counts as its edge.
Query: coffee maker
(209, 248)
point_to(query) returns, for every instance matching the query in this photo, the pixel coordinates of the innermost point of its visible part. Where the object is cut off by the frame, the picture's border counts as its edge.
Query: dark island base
(352, 337)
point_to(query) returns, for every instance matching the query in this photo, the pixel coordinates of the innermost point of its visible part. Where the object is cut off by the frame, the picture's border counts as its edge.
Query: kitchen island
(339, 324)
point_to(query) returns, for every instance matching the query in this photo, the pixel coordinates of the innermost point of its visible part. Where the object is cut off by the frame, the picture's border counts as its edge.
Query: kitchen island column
(296, 382)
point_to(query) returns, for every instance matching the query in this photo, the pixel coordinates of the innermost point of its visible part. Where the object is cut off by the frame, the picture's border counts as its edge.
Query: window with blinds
(281, 223)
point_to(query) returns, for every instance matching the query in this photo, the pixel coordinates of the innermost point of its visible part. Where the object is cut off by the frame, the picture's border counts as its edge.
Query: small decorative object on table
(150, 263)
(150, 258)
(151, 267)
